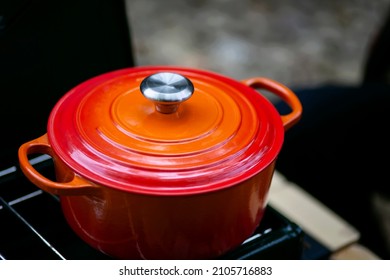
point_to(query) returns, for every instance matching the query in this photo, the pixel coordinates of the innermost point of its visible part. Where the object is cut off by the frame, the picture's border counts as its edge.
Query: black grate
(32, 226)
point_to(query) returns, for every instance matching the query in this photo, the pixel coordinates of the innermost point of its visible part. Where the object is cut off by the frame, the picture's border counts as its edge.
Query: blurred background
(298, 43)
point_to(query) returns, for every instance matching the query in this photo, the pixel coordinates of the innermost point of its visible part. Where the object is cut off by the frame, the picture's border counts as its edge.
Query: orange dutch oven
(163, 162)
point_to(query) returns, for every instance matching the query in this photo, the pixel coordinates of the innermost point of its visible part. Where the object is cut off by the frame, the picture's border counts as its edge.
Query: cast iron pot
(163, 162)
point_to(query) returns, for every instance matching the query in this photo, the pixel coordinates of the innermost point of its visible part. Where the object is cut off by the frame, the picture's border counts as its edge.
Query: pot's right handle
(284, 93)
(75, 186)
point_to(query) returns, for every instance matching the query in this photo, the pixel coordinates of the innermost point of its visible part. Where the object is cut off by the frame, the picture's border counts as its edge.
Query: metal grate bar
(39, 159)
(10, 208)
(7, 171)
(25, 197)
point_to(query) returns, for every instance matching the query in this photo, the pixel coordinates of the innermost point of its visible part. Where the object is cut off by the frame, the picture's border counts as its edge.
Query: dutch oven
(163, 162)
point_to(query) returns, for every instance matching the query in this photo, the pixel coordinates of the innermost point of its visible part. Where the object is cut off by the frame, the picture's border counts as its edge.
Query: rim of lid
(106, 131)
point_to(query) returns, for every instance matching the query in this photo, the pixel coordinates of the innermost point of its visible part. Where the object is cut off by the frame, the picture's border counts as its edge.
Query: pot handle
(284, 93)
(75, 186)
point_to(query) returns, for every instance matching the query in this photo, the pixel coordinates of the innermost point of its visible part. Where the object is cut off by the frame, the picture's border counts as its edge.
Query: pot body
(137, 226)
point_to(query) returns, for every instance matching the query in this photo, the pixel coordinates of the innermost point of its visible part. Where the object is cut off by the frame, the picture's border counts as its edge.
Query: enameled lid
(165, 130)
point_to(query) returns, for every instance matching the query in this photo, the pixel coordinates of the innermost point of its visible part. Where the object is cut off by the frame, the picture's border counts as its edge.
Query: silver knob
(167, 90)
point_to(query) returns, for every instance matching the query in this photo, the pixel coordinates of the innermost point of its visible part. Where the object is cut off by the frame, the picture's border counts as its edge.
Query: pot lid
(165, 130)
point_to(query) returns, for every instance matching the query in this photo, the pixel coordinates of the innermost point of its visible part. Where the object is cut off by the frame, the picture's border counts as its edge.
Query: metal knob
(167, 90)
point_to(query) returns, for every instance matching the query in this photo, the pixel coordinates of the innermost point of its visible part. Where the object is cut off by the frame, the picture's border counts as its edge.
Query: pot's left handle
(75, 186)
(284, 93)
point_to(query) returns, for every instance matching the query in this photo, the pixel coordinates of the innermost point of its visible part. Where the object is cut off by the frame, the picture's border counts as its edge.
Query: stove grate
(32, 226)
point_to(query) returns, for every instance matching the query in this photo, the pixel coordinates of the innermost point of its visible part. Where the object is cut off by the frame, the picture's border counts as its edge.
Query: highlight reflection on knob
(167, 90)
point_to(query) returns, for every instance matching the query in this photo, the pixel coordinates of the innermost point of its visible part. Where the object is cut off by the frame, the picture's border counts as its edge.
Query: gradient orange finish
(138, 184)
